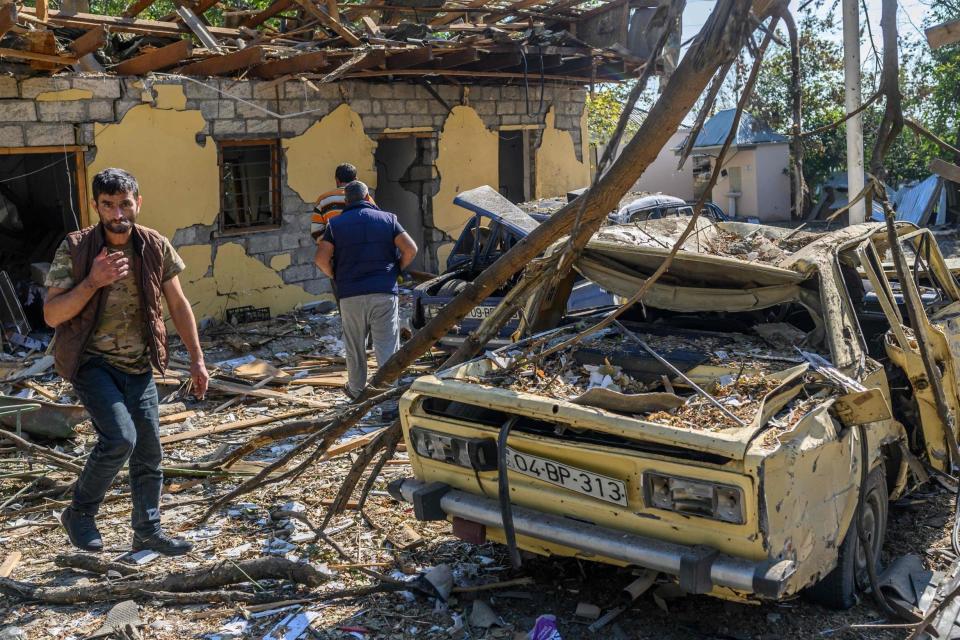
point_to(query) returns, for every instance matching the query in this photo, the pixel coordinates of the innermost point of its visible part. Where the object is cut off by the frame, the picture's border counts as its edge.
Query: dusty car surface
(496, 225)
(747, 490)
(661, 206)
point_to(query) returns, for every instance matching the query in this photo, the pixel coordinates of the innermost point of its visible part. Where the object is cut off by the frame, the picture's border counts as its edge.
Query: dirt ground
(384, 538)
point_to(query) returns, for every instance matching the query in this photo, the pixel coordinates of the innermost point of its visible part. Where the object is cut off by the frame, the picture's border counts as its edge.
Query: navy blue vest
(365, 258)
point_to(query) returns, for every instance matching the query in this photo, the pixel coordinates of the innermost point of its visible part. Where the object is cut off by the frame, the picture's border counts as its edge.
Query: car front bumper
(699, 569)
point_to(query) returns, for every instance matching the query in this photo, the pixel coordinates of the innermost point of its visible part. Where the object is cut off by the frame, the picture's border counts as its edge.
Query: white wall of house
(662, 176)
(757, 174)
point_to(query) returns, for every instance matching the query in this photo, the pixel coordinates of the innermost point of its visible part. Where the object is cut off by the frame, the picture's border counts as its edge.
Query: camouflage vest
(73, 335)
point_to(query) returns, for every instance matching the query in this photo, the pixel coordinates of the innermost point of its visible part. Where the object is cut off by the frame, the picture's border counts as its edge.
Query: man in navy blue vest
(364, 250)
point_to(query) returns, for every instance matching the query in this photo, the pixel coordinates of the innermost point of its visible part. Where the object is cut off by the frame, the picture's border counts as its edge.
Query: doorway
(394, 158)
(42, 198)
(514, 166)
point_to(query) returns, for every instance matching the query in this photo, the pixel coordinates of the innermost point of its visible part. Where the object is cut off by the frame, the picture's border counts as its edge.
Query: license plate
(479, 313)
(563, 475)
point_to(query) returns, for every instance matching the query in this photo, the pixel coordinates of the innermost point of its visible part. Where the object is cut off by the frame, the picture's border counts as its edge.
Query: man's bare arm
(64, 304)
(324, 257)
(407, 247)
(186, 324)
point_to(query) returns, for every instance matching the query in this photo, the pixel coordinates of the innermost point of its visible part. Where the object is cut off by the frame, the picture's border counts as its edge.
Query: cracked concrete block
(374, 122)
(264, 242)
(101, 110)
(418, 107)
(197, 91)
(18, 110)
(300, 272)
(265, 126)
(102, 86)
(267, 90)
(49, 134)
(32, 87)
(393, 107)
(505, 107)
(8, 87)
(294, 126)
(228, 127)
(361, 106)
(399, 121)
(226, 109)
(484, 108)
(240, 89)
(381, 91)
(11, 136)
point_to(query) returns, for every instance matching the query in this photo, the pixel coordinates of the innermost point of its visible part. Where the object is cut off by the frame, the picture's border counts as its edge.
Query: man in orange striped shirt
(330, 204)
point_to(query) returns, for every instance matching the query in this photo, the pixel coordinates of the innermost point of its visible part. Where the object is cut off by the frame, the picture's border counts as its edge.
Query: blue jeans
(125, 414)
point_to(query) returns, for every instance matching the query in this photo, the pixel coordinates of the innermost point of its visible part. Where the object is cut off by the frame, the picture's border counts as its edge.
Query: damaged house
(234, 130)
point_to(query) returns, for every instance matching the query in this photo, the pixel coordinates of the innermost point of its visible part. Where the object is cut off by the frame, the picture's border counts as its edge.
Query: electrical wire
(506, 508)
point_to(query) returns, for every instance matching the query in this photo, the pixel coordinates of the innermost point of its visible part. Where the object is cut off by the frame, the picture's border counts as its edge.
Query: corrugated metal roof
(750, 132)
(916, 203)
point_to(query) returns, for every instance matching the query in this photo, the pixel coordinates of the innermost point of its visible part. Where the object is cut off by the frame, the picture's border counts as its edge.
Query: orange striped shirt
(329, 205)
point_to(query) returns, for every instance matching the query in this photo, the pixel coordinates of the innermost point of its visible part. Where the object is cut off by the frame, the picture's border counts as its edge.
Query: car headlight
(694, 497)
(479, 454)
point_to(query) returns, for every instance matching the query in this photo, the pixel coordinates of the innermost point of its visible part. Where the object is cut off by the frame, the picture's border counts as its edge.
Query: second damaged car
(716, 435)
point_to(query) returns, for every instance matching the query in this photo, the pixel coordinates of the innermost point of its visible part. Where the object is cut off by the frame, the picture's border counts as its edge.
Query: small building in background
(754, 181)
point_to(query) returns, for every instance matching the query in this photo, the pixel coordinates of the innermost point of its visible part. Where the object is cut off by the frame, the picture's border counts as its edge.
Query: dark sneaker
(162, 544)
(82, 530)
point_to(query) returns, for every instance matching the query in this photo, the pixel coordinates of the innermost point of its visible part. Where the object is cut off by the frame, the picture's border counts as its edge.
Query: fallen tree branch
(93, 564)
(892, 123)
(49, 455)
(800, 192)
(204, 578)
(920, 130)
(705, 110)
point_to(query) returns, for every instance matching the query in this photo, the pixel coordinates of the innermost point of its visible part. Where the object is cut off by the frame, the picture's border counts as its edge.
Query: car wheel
(838, 589)
(452, 287)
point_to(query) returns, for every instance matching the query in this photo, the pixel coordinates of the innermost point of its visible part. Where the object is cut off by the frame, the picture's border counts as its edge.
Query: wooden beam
(155, 60)
(136, 8)
(451, 14)
(126, 25)
(89, 42)
(457, 59)
(219, 65)
(42, 10)
(494, 61)
(233, 426)
(462, 73)
(37, 57)
(946, 170)
(333, 11)
(943, 34)
(10, 563)
(370, 26)
(278, 6)
(328, 22)
(303, 63)
(8, 17)
(412, 58)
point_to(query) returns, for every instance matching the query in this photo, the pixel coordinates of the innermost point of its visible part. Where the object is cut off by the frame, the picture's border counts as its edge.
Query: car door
(931, 282)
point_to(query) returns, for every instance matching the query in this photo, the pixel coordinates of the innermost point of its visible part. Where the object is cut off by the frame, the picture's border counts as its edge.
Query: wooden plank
(370, 26)
(945, 170)
(333, 11)
(494, 61)
(226, 63)
(126, 25)
(328, 22)
(8, 17)
(37, 57)
(359, 61)
(42, 10)
(943, 34)
(136, 8)
(89, 42)
(452, 14)
(234, 426)
(457, 59)
(412, 58)
(176, 417)
(155, 60)
(277, 7)
(199, 29)
(303, 63)
(10, 563)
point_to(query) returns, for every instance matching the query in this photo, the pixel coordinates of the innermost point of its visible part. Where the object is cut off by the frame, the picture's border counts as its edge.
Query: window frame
(275, 185)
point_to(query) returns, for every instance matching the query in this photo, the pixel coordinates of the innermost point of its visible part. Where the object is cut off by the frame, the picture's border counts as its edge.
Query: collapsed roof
(459, 40)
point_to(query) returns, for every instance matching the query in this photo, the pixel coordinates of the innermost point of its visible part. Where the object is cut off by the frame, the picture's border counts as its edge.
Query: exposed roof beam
(411, 58)
(328, 22)
(136, 8)
(943, 34)
(89, 42)
(457, 59)
(303, 63)
(37, 57)
(126, 25)
(219, 65)
(199, 29)
(155, 60)
(945, 170)
(42, 10)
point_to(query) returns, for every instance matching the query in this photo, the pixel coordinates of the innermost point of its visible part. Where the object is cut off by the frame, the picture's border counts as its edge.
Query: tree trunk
(892, 122)
(722, 36)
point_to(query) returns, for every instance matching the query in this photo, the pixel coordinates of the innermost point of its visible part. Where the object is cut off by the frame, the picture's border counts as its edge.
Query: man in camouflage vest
(104, 298)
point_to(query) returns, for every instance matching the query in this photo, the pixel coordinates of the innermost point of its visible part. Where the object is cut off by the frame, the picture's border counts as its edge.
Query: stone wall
(75, 109)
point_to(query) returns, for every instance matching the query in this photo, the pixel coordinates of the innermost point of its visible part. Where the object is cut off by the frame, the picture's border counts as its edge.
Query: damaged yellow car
(714, 436)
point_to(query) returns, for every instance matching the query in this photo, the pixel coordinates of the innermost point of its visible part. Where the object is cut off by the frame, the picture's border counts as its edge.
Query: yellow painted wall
(468, 157)
(313, 157)
(179, 181)
(558, 169)
(178, 178)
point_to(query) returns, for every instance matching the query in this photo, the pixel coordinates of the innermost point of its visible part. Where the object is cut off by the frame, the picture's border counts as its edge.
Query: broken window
(249, 184)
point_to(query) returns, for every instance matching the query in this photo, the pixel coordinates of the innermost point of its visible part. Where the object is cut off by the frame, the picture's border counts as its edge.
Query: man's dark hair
(113, 181)
(346, 172)
(355, 192)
